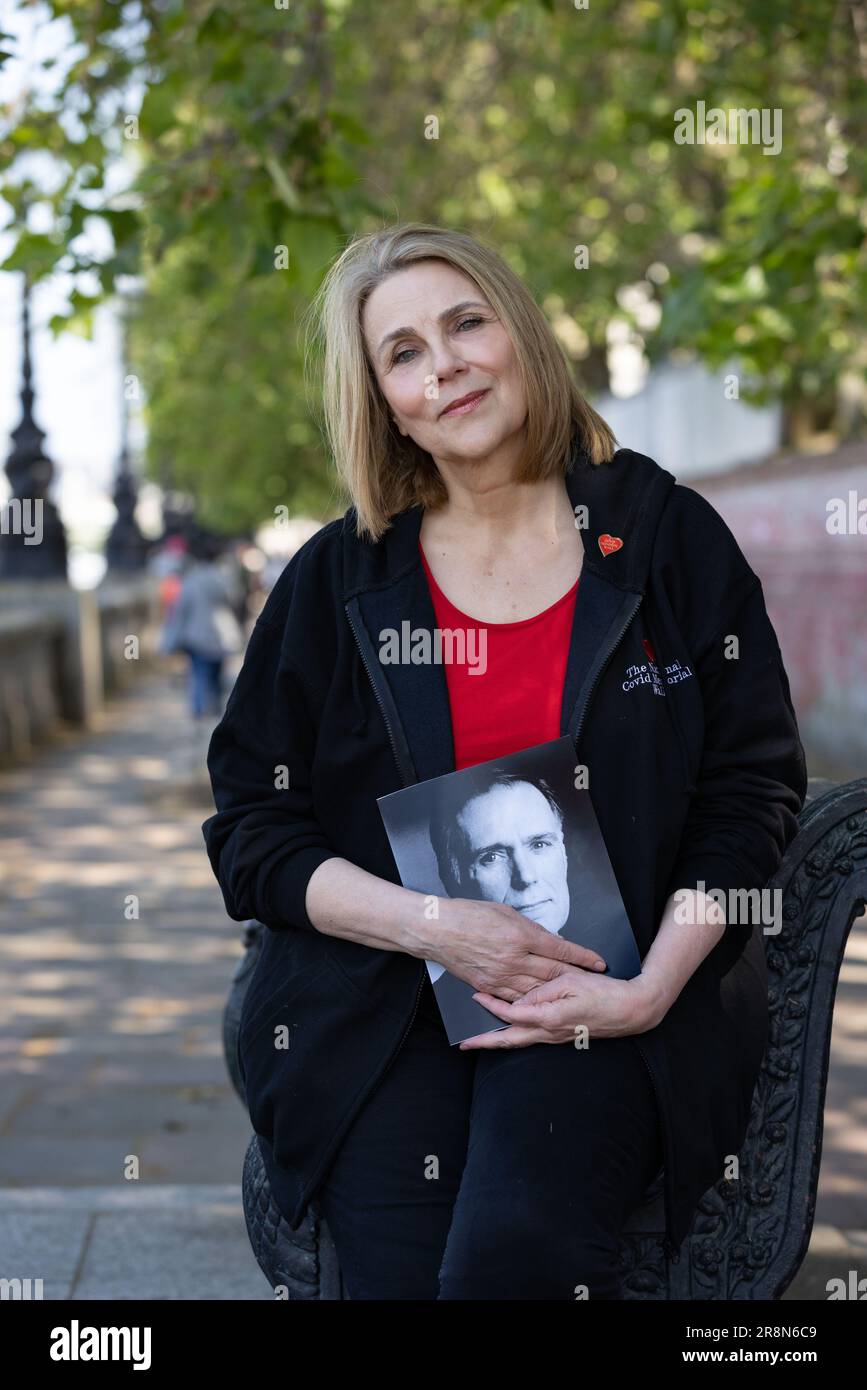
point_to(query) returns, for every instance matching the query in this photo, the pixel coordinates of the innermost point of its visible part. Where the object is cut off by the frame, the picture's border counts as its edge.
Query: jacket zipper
(401, 769)
(403, 1035)
(601, 668)
(667, 1243)
(407, 781)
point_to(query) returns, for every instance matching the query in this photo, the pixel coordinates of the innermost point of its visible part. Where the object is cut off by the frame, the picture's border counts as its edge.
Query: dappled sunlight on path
(116, 955)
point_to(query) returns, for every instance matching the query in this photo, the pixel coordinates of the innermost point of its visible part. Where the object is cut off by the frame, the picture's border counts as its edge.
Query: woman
(617, 608)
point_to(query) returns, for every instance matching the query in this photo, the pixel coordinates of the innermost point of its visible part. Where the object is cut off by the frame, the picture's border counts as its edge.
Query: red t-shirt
(513, 699)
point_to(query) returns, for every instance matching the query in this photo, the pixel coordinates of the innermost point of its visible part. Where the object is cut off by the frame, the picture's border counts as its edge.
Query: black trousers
(504, 1174)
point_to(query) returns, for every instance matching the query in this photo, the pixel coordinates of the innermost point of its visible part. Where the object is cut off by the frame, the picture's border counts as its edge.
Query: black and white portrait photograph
(518, 831)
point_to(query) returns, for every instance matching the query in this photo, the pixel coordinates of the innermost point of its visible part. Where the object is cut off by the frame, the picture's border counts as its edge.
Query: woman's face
(449, 344)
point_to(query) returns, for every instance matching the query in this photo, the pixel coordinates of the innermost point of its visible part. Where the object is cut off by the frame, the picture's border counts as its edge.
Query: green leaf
(36, 253)
(282, 182)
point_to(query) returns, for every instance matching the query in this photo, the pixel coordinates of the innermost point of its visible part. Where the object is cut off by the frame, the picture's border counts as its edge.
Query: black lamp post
(32, 537)
(125, 548)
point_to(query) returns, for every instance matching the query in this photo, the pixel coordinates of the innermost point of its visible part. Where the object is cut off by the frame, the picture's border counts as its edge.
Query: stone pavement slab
(833, 1254)
(131, 1242)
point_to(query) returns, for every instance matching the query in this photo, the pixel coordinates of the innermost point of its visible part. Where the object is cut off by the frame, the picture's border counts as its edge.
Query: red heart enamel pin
(608, 544)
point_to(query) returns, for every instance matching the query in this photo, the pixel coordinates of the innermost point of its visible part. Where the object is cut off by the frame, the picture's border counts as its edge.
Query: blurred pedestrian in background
(203, 622)
(168, 563)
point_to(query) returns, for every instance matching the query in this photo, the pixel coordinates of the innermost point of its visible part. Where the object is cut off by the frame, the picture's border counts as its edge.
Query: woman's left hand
(559, 1011)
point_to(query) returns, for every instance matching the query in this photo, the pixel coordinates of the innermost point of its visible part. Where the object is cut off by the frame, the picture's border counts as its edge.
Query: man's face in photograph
(513, 853)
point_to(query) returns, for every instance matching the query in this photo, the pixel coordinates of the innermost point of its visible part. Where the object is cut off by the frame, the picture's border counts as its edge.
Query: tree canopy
(543, 127)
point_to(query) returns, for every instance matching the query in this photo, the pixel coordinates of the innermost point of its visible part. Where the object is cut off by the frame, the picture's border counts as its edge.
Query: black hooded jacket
(696, 775)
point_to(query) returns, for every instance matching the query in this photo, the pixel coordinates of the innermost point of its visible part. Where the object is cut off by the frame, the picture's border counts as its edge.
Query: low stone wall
(63, 651)
(814, 580)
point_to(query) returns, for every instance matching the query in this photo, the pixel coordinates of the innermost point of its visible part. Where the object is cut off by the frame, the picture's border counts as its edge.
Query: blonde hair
(386, 473)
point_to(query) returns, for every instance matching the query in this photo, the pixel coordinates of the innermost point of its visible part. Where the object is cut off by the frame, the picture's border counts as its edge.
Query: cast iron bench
(749, 1237)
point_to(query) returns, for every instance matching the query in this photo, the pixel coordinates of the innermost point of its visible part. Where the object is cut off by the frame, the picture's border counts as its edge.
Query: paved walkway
(110, 1030)
(110, 1026)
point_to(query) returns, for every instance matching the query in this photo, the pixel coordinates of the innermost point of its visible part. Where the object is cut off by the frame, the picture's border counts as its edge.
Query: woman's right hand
(497, 949)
